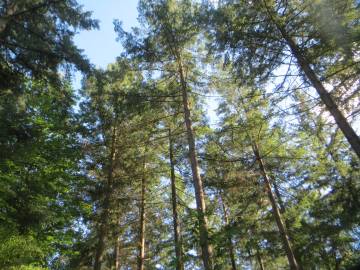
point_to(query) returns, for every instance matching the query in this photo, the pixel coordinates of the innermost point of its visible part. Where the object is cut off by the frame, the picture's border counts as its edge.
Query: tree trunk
(325, 96)
(250, 258)
(279, 197)
(176, 223)
(283, 232)
(198, 185)
(103, 231)
(230, 243)
(287, 222)
(117, 253)
(259, 259)
(141, 258)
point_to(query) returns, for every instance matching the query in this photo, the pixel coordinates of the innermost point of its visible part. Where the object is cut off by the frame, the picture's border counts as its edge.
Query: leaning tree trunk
(230, 243)
(279, 197)
(141, 258)
(103, 231)
(176, 223)
(325, 96)
(206, 253)
(281, 226)
(287, 222)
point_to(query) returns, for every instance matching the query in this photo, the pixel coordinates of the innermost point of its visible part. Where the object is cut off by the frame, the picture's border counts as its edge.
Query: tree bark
(206, 249)
(117, 253)
(141, 258)
(325, 96)
(250, 258)
(279, 197)
(176, 223)
(230, 243)
(259, 259)
(282, 228)
(287, 222)
(103, 231)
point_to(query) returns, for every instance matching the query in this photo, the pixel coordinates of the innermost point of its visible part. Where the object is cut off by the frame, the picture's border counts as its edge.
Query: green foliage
(20, 251)
(72, 172)
(37, 38)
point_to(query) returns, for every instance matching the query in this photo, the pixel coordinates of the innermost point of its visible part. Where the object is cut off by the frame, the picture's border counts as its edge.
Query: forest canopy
(132, 171)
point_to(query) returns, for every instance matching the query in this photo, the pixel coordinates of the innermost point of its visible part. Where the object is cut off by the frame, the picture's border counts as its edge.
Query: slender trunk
(176, 223)
(287, 222)
(141, 258)
(103, 231)
(259, 259)
(206, 249)
(325, 96)
(230, 243)
(250, 258)
(280, 200)
(283, 232)
(118, 253)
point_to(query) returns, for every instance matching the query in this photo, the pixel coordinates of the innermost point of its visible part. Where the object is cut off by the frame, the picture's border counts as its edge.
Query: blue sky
(100, 46)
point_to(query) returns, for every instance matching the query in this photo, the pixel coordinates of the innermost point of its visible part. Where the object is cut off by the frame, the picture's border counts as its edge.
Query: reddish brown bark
(176, 223)
(280, 224)
(304, 64)
(206, 249)
(141, 258)
(230, 243)
(103, 230)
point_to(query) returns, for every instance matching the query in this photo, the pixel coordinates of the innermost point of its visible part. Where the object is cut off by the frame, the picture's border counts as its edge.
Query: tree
(270, 33)
(36, 39)
(171, 29)
(110, 96)
(41, 184)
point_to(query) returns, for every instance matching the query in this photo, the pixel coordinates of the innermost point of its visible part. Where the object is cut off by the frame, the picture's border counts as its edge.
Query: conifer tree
(171, 30)
(268, 34)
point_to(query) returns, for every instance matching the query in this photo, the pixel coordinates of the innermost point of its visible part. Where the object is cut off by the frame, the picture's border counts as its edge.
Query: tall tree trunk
(325, 96)
(279, 197)
(206, 249)
(230, 243)
(141, 258)
(103, 231)
(283, 232)
(176, 223)
(250, 258)
(259, 259)
(118, 252)
(287, 221)
(118, 246)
